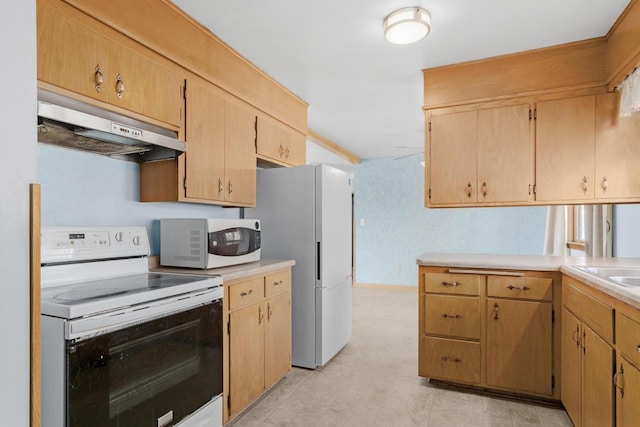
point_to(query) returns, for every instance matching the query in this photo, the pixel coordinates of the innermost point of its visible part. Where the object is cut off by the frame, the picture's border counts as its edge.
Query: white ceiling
(364, 93)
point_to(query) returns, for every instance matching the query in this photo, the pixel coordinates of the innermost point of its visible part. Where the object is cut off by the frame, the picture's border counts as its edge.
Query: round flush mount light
(407, 25)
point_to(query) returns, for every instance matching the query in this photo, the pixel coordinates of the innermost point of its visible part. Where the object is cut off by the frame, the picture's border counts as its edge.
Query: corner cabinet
(480, 156)
(489, 329)
(258, 350)
(79, 55)
(220, 164)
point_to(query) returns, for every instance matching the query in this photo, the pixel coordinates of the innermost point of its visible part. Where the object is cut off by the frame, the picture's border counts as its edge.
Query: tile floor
(373, 381)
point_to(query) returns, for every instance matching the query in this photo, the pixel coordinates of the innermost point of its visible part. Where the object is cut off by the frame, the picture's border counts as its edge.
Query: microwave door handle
(318, 260)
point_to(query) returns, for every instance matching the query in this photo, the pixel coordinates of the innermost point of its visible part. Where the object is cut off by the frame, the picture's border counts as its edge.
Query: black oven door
(234, 241)
(168, 367)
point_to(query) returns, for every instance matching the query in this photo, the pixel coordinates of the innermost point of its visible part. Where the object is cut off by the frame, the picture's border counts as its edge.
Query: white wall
(626, 231)
(18, 170)
(320, 155)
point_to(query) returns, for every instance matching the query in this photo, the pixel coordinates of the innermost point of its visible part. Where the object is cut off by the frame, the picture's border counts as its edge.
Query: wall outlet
(362, 222)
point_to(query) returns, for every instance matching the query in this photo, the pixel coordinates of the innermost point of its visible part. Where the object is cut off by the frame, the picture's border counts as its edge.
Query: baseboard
(387, 287)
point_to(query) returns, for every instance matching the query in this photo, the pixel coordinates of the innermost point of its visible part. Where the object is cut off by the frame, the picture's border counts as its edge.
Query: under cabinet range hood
(73, 124)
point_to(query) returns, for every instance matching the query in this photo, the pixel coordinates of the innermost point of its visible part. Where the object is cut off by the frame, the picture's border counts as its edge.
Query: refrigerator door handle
(318, 260)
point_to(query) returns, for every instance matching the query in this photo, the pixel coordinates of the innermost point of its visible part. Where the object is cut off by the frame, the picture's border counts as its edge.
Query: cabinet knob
(119, 86)
(585, 187)
(277, 283)
(281, 150)
(230, 188)
(604, 184)
(451, 359)
(495, 311)
(269, 312)
(286, 153)
(469, 190)
(245, 293)
(220, 186)
(484, 189)
(98, 78)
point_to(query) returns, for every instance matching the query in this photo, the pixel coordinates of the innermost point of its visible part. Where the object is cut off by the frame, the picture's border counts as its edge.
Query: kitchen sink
(627, 277)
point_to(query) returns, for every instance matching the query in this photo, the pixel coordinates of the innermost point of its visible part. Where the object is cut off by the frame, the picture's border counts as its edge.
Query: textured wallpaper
(88, 189)
(389, 198)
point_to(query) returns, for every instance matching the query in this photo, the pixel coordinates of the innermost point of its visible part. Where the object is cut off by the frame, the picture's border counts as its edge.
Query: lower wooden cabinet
(258, 354)
(492, 331)
(627, 382)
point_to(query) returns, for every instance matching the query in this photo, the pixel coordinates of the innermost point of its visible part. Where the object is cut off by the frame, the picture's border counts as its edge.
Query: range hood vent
(73, 124)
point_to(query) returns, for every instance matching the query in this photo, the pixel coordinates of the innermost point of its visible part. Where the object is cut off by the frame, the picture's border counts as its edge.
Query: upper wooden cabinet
(219, 166)
(565, 141)
(280, 143)
(80, 55)
(617, 175)
(479, 156)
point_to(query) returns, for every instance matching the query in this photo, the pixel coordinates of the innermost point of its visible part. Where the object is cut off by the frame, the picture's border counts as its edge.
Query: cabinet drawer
(452, 360)
(537, 288)
(454, 316)
(597, 315)
(446, 283)
(277, 283)
(628, 338)
(245, 293)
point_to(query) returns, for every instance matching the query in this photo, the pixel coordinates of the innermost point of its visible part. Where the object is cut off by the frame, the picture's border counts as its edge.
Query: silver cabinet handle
(518, 288)
(451, 359)
(245, 293)
(604, 184)
(451, 283)
(451, 316)
(620, 373)
(495, 311)
(584, 185)
(98, 78)
(119, 86)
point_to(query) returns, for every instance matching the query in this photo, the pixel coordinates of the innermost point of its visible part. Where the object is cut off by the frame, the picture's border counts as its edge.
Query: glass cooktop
(98, 296)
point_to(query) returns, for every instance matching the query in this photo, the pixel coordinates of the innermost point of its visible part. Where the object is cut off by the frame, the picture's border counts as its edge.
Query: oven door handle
(100, 324)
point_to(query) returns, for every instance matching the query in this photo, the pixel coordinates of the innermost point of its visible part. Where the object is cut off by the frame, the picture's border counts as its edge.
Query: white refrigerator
(305, 214)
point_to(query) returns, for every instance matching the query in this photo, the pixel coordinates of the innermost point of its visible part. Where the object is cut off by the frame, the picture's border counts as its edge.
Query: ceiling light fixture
(407, 25)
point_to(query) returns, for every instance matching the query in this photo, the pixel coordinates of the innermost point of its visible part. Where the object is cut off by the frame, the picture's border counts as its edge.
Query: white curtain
(597, 230)
(597, 219)
(555, 239)
(630, 96)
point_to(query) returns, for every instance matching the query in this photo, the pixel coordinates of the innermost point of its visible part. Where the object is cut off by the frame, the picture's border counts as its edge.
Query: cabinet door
(279, 142)
(205, 141)
(246, 355)
(570, 351)
(277, 339)
(71, 55)
(519, 353)
(142, 85)
(597, 386)
(617, 150)
(453, 167)
(240, 154)
(565, 148)
(504, 154)
(628, 398)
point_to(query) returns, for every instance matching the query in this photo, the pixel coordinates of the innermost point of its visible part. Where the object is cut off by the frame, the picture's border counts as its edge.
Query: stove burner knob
(118, 236)
(136, 240)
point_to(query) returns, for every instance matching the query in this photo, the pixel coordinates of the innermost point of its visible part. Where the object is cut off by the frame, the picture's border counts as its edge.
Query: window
(576, 227)
(589, 229)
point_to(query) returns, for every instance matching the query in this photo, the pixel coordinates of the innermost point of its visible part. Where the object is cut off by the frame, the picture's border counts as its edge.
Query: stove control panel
(71, 244)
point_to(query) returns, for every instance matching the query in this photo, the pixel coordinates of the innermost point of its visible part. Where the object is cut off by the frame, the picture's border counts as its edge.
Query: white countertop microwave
(208, 242)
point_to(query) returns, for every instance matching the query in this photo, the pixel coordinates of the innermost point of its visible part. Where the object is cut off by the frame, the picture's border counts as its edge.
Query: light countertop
(264, 266)
(563, 264)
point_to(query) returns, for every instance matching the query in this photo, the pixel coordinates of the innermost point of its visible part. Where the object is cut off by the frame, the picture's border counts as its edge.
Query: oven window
(136, 375)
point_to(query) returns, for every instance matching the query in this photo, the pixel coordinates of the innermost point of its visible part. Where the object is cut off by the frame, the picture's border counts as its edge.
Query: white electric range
(122, 346)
